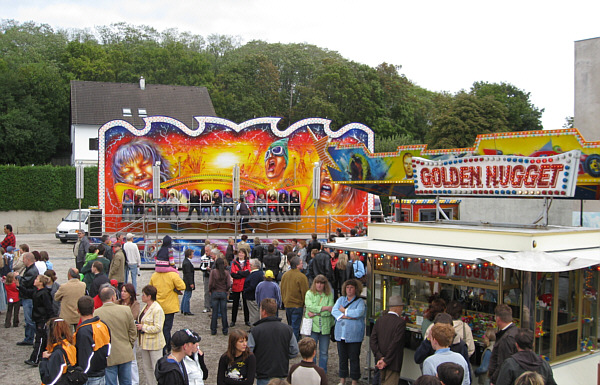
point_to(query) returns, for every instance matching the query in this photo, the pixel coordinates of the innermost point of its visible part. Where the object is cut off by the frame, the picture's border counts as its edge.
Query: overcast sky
(441, 45)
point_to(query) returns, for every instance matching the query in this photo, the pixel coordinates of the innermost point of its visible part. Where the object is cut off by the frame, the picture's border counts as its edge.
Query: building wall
(587, 88)
(80, 137)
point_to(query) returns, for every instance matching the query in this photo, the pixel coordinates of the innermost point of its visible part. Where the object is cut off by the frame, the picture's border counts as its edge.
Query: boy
(306, 372)
(441, 338)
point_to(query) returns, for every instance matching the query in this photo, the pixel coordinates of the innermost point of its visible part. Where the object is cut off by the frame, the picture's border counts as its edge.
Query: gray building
(587, 88)
(95, 103)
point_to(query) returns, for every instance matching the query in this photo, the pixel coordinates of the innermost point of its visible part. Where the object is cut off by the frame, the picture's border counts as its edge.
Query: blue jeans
(349, 352)
(29, 324)
(96, 381)
(294, 319)
(218, 299)
(118, 374)
(133, 268)
(185, 301)
(322, 341)
(265, 381)
(262, 211)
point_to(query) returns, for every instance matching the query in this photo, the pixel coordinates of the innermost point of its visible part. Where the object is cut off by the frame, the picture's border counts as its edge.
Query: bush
(45, 188)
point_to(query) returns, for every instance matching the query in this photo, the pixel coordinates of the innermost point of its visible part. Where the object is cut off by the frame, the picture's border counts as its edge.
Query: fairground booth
(548, 275)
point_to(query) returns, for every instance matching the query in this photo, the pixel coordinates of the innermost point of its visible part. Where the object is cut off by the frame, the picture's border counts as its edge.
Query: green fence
(45, 188)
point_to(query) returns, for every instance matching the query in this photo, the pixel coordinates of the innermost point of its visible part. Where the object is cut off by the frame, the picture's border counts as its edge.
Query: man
(273, 343)
(92, 340)
(294, 286)
(387, 342)
(108, 251)
(272, 260)
(168, 286)
(321, 264)
(243, 212)
(117, 266)
(123, 334)
(256, 276)
(68, 294)
(9, 239)
(170, 370)
(86, 270)
(450, 373)
(295, 246)
(99, 278)
(258, 251)
(83, 246)
(441, 338)
(524, 360)
(26, 292)
(505, 341)
(206, 266)
(313, 244)
(134, 260)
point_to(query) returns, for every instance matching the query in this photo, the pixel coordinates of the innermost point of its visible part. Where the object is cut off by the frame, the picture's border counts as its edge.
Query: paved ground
(14, 371)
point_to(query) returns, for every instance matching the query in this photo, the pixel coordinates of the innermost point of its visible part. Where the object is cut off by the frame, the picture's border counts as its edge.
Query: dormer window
(127, 112)
(142, 112)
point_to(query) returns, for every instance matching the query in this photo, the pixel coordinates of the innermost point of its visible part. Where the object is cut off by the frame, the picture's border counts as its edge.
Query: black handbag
(74, 374)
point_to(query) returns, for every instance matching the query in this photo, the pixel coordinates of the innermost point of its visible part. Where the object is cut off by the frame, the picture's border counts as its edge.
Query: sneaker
(204, 311)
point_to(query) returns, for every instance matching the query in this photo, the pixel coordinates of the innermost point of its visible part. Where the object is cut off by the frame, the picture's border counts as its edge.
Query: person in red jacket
(240, 269)
(13, 300)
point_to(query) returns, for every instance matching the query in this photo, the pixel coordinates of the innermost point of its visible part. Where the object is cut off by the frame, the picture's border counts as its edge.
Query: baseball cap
(183, 336)
(10, 249)
(269, 274)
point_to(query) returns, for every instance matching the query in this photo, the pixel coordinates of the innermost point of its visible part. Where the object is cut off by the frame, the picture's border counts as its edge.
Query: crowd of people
(90, 328)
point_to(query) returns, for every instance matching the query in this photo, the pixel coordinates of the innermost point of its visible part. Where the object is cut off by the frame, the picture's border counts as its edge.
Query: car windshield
(74, 216)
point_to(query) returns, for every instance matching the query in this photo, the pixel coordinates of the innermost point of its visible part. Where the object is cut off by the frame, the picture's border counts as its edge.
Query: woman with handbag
(319, 303)
(349, 312)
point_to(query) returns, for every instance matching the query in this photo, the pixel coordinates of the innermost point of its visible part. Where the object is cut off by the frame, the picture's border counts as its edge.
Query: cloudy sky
(441, 45)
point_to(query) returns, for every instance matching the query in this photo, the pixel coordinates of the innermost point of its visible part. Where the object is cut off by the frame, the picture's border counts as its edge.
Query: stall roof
(471, 251)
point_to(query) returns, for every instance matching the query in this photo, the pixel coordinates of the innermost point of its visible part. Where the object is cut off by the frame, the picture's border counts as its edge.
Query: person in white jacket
(194, 364)
(462, 329)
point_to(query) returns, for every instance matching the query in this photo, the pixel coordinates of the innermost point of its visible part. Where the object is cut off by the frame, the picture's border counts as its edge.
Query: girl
(272, 201)
(129, 298)
(217, 201)
(165, 261)
(205, 203)
(489, 338)
(319, 303)
(295, 205)
(237, 365)
(14, 302)
(53, 288)
(42, 311)
(250, 199)
(240, 269)
(219, 284)
(60, 351)
(284, 209)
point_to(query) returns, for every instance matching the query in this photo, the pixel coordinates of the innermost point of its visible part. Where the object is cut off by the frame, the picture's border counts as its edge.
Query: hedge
(45, 188)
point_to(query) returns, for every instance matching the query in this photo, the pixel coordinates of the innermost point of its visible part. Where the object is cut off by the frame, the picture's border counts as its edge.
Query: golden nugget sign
(552, 176)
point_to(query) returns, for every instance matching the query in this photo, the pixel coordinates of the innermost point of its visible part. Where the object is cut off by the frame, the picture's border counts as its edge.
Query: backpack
(74, 374)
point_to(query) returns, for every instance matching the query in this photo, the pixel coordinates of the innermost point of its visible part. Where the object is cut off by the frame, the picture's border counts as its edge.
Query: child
(217, 201)
(250, 199)
(10, 257)
(14, 302)
(206, 203)
(489, 338)
(272, 200)
(262, 203)
(165, 261)
(295, 204)
(306, 372)
(228, 203)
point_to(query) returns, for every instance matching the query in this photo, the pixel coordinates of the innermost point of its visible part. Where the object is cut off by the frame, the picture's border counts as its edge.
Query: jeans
(349, 352)
(265, 381)
(96, 381)
(216, 211)
(118, 374)
(262, 211)
(167, 326)
(294, 319)
(218, 300)
(29, 324)
(133, 268)
(185, 301)
(322, 341)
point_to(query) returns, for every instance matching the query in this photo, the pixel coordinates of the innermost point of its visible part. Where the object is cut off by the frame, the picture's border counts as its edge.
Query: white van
(67, 229)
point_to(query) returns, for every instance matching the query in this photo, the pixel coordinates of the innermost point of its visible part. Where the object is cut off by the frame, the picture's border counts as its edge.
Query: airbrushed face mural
(272, 162)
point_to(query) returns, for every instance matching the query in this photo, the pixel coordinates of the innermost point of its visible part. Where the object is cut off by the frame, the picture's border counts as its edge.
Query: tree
(522, 115)
(465, 117)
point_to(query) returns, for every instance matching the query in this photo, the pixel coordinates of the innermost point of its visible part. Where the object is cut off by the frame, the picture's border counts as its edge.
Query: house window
(142, 112)
(93, 144)
(127, 112)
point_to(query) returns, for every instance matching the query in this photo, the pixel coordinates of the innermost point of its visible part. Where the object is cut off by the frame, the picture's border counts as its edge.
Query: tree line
(255, 79)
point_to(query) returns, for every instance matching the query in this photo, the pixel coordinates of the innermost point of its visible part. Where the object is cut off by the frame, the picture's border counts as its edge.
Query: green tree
(522, 115)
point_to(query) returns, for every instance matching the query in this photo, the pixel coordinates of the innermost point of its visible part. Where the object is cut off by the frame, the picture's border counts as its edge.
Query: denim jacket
(353, 329)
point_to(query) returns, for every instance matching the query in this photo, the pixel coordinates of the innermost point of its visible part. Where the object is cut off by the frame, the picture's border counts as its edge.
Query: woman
(462, 329)
(349, 312)
(53, 288)
(284, 264)
(129, 298)
(194, 204)
(188, 278)
(240, 269)
(237, 365)
(194, 364)
(302, 255)
(149, 325)
(42, 311)
(219, 283)
(46, 258)
(41, 265)
(436, 306)
(342, 273)
(358, 269)
(59, 349)
(319, 303)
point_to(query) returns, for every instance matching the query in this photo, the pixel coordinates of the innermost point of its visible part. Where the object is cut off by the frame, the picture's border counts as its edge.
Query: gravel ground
(15, 371)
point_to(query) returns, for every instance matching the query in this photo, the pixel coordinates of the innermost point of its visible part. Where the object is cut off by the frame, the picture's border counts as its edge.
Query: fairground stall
(548, 275)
